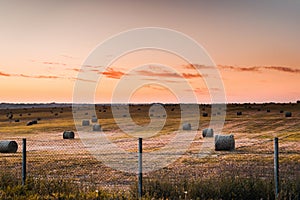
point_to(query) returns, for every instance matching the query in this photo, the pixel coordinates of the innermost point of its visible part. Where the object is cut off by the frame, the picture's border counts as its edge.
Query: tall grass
(228, 187)
(11, 188)
(221, 187)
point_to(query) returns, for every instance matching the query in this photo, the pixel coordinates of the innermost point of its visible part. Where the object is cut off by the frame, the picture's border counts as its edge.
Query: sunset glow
(255, 46)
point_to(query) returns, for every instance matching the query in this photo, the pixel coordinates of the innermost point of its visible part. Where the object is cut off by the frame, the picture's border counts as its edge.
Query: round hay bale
(68, 135)
(204, 114)
(85, 122)
(29, 123)
(8, 146)
(94, 119)
(288, 114)
(97, 127)
(208, 132)
(187, 127)
(224, 142)
(239, 113)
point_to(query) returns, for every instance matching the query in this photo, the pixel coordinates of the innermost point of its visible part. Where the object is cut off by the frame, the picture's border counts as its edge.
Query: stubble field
(51, 157)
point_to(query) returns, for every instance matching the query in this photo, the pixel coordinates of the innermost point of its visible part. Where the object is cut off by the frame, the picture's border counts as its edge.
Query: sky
(254, 45)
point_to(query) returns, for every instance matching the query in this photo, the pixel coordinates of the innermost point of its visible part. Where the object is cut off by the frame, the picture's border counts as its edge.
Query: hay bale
(97, 127)
(239, 113)
(8, 146)
(204, 114)
(68, 135)
(224, 142)
(187, 126)
(288, 114)
(10, 116)
(29, 123)
(94, 119)
(208, 132)
(85, 122)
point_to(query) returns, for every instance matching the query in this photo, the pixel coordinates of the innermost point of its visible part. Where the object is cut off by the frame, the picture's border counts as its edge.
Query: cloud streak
(4, 74)
(283, 69)
(111, 73)
(158, 74)
(259, 68)
(54, 63)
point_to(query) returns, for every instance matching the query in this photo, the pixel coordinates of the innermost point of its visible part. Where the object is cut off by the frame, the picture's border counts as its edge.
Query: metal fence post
(276, 167)
(24, 162)
(140, 163)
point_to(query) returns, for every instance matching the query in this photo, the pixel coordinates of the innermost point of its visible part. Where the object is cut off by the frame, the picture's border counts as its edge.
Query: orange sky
(254, 44)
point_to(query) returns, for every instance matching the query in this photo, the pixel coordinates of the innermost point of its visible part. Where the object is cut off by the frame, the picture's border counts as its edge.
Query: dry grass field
(51, 157)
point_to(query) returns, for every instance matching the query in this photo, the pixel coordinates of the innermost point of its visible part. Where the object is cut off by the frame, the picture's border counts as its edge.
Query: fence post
(24, 162)
(276, 167)
(140, 163)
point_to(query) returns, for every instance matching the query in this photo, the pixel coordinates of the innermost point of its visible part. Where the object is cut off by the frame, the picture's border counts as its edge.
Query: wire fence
(70, 160)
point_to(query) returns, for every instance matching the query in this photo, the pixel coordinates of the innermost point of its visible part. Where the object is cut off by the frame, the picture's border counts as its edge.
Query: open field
(51, 157)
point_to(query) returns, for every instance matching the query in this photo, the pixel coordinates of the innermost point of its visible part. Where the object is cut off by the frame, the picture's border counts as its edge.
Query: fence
(69, 160)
